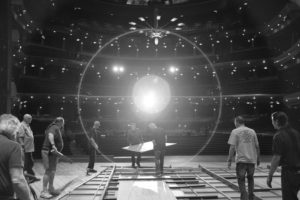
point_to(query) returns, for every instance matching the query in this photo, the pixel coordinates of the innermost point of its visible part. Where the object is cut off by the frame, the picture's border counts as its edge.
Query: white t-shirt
(245, 141)
(25, 137)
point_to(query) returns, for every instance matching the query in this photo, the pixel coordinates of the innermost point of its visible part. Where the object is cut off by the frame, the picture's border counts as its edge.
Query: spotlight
(132, 23)
(142, 19)
(118, 69)
(156, 41)
(149, 100)
(173, 19)
(151, 94)
(115, 69)
(173, 69)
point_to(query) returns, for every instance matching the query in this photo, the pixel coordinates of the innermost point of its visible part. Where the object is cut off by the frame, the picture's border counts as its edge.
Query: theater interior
(190, 66)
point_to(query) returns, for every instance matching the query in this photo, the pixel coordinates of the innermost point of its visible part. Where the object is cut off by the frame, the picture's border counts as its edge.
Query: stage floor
(70, 176)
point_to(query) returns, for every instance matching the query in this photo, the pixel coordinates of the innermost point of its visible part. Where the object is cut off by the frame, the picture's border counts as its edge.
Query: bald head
(27, 118)
(96, 124)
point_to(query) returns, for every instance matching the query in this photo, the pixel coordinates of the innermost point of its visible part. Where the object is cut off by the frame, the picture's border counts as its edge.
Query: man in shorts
(52, 143)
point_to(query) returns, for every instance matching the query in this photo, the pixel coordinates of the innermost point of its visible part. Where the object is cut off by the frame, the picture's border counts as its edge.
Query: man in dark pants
(286, 152)
(134, 137)
(159, 146)
(244, 142)
(92, 134)
(11, 165)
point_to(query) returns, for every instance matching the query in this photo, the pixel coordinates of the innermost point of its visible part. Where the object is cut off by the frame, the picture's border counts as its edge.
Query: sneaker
(33, 179)
(45, 195)
(54, 192)
(91, 170)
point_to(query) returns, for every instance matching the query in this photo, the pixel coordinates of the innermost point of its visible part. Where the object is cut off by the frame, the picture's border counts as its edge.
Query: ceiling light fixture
(155, 33)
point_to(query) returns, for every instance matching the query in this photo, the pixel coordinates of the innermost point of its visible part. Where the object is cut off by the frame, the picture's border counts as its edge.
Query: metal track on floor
(261, 190)
(94, 188)
(185, 183)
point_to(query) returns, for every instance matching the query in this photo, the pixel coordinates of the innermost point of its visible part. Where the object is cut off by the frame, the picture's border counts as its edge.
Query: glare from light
(142, 19)
(156, 41)
(132, 28)
(115, 68)
(173, 19)
(151, 94)
(132, 23)
(180, 24)
(118, 69)
(149, 100)
(173, 69)
(158, 17)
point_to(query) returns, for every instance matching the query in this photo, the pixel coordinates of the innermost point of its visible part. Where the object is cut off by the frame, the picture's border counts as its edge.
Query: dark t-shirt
(286, 143)
(134, 137)
(55, 130)
(10, 157)
(159, 137)
(93, 133)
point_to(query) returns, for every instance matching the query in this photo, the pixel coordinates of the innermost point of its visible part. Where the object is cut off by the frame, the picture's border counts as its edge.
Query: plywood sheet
(144, 190)
(143, 147)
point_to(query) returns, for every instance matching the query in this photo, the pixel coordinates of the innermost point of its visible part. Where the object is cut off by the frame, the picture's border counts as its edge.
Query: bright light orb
(173, 69)
(151, 94)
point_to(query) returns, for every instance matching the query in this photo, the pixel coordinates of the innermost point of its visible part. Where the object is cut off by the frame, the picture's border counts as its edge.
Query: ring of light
(171, 33)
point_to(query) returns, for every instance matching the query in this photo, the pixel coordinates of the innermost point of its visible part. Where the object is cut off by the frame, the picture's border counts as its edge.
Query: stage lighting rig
(155, 33)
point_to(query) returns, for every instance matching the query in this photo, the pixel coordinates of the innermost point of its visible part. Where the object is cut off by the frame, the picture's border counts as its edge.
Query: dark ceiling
(101, 15)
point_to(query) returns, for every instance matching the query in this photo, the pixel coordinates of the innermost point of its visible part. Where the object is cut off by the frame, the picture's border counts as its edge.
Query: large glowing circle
(89, 64)
(151, 94)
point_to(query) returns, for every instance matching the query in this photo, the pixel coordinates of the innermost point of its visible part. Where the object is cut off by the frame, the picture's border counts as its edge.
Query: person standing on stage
(11, 164)
(53, 143)
(134, 137)
(243, 141)
(92, 136)
(159, 146)
(26, 139)
(286, 153)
